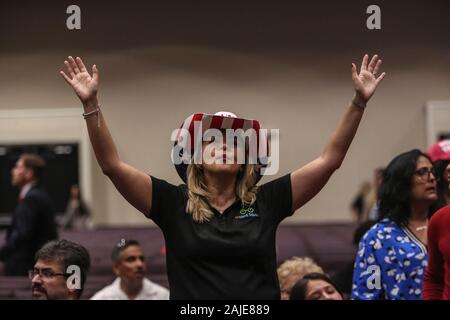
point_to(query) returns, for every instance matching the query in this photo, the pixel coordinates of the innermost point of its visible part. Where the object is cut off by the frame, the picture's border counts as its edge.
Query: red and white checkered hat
(219, 120)
(440, 150)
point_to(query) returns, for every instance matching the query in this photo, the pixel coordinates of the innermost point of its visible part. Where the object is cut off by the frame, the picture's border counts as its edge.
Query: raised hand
(366, 81)
(84, 85)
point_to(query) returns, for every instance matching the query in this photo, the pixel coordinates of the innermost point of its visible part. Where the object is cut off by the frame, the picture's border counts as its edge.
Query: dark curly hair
(395, 190)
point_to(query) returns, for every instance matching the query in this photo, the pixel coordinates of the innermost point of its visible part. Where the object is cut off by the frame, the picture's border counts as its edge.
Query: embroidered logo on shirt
(246, 213)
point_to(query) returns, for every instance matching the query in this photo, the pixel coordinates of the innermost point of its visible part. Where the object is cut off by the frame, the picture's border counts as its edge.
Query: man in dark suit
(33, 221)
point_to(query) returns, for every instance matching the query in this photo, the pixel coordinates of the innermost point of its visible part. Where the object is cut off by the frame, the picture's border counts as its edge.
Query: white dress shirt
(149, 291)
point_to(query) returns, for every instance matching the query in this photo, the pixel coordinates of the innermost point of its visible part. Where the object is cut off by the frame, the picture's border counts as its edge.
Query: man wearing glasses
(60, 271)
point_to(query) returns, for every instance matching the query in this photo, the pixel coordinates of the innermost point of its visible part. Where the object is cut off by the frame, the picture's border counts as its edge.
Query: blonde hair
(199, 197)
(298, 267)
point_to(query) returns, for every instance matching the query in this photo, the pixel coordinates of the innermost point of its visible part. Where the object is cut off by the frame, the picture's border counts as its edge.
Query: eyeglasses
(43, 273)
(424, 173)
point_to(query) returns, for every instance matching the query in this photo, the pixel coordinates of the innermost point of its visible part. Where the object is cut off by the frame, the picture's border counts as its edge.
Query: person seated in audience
(129, 266)
(392, 255)
(60, 271)
(292, 270)
(315, 286)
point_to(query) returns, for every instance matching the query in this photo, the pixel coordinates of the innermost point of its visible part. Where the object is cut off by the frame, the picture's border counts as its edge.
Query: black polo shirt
(232, 256)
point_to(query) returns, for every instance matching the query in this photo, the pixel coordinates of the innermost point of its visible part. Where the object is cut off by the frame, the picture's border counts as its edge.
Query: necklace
(422, 228)
(419, 228)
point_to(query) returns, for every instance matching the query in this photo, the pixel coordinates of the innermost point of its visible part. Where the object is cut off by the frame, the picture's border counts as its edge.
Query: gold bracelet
(96, 111)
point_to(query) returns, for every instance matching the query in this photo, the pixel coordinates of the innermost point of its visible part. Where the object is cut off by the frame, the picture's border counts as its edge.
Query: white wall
(144, 97)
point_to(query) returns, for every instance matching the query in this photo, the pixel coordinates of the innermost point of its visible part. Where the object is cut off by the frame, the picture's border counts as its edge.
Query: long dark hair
(395, 190)
(442, 184)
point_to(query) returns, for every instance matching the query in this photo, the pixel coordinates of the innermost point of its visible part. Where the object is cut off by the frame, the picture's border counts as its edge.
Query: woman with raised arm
(220, 227)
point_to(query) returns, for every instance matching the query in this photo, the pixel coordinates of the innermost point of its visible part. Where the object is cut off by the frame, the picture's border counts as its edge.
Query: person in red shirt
(440, 155)
(437, 275)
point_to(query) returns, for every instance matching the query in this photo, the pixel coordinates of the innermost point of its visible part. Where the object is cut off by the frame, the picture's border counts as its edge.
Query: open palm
(366, 81)
(84, 85)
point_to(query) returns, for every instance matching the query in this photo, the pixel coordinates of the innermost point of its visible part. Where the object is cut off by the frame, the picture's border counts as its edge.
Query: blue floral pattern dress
(390, 264)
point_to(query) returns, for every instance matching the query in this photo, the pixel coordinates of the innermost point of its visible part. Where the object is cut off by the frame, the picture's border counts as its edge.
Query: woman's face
(446, 175)
(423, 181)
(219, 158)
(321, 290)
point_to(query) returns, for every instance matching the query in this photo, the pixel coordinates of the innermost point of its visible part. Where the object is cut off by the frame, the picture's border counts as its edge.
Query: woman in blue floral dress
(392, 255)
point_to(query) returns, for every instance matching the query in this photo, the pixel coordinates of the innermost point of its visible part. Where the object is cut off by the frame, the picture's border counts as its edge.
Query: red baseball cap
(440, 150)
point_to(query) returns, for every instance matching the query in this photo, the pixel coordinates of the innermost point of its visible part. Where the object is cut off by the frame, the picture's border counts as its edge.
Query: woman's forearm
(102, 142)
(339, 143)
(365, 82)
